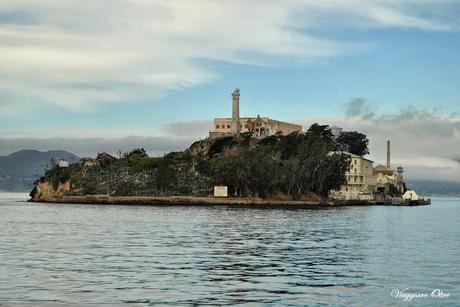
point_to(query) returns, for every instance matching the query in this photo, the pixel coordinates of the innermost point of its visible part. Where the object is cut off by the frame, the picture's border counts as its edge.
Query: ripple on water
(85, 254)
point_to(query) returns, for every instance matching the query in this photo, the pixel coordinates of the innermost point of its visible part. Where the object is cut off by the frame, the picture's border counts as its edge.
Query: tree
(331, 175)
(138, 153)
(312, 152)
(353, 142)
(288, 145)
(262, 171)
(300, 168)
(166, 176)
(322, 132)
(229, 170)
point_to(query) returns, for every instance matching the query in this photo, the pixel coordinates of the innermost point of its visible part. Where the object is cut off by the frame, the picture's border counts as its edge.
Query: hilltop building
(260, 127)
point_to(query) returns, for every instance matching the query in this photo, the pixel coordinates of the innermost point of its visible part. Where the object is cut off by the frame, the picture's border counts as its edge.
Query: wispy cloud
(79, 54)
(358, 107)
(195, 129)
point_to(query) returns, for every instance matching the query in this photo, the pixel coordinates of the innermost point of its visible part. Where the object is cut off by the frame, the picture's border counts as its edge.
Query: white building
(63, 163)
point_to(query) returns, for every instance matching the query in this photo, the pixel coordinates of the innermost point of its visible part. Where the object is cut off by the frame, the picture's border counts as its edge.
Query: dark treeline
(292, 166)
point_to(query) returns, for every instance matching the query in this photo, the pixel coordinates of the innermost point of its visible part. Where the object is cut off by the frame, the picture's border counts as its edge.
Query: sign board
(220, 191)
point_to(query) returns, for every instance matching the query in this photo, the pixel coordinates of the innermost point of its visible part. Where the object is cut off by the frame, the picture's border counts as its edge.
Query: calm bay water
(56, 254)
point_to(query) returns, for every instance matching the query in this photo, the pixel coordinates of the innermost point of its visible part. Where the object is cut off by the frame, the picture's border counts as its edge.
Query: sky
(99, 75)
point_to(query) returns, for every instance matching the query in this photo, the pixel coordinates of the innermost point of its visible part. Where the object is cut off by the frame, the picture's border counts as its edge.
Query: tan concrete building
(260, 127)
(384, 175)
(367, 182)
(361, 181)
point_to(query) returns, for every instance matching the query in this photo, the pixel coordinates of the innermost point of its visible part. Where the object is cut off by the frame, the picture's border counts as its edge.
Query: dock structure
(212, 201)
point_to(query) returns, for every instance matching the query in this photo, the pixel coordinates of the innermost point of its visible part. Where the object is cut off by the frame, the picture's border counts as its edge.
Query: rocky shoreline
(206, 201)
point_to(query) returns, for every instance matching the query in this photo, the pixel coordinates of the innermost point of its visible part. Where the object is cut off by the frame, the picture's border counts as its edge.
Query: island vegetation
(295, 166)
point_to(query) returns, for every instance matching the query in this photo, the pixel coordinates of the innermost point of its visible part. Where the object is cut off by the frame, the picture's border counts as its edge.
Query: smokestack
(388, 155)
(236, 112)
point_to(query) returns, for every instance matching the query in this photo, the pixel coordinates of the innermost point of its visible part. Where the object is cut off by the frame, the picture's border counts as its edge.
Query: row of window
(223, 126)
(355, 178)
(228, 127)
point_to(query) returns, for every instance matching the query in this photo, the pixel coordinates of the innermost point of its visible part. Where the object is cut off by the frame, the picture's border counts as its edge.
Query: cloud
(154, 145)
(70, 55)
(196, 129)
(174, 136)
(358, 107)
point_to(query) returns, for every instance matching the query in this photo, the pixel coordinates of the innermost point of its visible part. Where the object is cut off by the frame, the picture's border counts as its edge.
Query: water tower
(400, 179)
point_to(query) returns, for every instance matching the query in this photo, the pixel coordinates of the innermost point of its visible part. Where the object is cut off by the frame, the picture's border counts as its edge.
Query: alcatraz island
(246, 161)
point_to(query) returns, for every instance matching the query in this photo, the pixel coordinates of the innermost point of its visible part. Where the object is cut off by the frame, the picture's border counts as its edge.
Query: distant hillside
(19, 170)
(435, 188)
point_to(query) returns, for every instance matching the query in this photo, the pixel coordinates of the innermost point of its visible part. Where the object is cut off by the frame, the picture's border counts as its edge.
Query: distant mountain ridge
(435, 188)
(19, 170)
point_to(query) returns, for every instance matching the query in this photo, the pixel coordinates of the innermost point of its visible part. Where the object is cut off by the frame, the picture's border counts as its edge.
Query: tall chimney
(236, 112)
(388, 155)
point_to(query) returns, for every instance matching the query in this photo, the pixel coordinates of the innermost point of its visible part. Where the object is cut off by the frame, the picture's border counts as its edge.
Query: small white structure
(336, 131)
(410, 195)
(220, 191)
(63, 163)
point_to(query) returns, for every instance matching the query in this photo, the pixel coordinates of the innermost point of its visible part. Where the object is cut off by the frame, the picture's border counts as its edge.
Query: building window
(356, 162)
(228, 126)
(217, 126)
